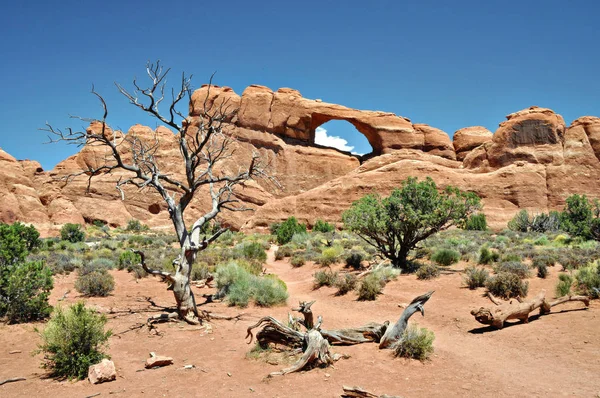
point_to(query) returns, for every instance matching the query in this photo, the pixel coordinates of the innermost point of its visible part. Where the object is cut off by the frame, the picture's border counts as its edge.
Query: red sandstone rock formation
(533, 161)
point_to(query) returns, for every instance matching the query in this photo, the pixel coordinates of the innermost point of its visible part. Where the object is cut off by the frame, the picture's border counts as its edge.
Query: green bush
(329, 256)
(416, 343)
(476, 222)
(128, 259)
(97, 283)
(520, 222)
(287, 229)
(24, 296)
(322, 226)
(487, 256)
(283, 251)
(254, 252)
(325, 278)
(73, 340)
(354, 259)
(345, 284)
(28, 234)
(240, 286)
(563, 287)
(587, 280)
(542, 271)
(134, 225)
(577, 216)
(13, 247)
(507, 285)
(514, 267)
(475, 277)
(545, 222)
(445, 257)
(297, 260)
(428, 271)
(370, 287)
(545, 259)
(72, 233)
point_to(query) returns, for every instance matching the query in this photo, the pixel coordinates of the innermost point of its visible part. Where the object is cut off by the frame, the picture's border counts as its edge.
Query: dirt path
(553, 356)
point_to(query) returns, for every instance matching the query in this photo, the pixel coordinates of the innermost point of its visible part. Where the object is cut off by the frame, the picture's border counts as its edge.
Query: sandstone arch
(333, 129)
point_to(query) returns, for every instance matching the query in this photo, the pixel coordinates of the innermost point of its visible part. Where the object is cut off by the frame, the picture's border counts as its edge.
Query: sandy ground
(552, 356)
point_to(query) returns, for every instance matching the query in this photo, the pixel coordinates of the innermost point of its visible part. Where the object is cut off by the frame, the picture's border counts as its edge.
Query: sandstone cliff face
(532, 161)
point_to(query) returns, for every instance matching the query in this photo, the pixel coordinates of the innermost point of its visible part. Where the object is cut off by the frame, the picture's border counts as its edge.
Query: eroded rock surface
(532, 161)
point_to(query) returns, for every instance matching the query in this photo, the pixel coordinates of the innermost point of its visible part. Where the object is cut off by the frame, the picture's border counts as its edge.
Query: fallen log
(357, 392)
(503, 311)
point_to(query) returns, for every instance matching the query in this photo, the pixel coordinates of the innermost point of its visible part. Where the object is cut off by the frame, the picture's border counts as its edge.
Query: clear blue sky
(448, 64)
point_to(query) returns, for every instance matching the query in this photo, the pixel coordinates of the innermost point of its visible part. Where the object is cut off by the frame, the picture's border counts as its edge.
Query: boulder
(469, 138)
(102, 372)
(156, 361)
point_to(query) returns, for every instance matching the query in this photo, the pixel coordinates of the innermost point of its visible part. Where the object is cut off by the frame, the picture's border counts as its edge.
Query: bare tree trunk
(393, 334)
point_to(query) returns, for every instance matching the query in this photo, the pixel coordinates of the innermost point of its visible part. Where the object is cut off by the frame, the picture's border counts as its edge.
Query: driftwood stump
(503, 311)
(315, 342)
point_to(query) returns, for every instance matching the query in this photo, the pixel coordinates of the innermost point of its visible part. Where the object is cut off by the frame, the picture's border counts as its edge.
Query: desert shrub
(577, 216)
(563, 287)
(200, 271)
(329, 255)
(72, 233)
(507, 285)
(325, 278)
(511, 257)
(520, 222)
(475, 277)
(73, 340)
(487, 256)
(513, 267)
(254, 252)
(240, 286)
(416, 343)
(542, 271)
(587, 280)
(322, 226)
(268, 291)
(134, 225)
(345, 283)
(139, 240)
(354, 259)
(297, 260)
(97, 264)
(128, 259)
(542, 241)
(370, 286)
(26, 234)
(428, 271)
(24, 295)
(287, 229)
(445, 257)
(13, 248)
(283, 251)
(545, 259)
(61, 263)
(97, 283)
(545, 222)
(476, 222)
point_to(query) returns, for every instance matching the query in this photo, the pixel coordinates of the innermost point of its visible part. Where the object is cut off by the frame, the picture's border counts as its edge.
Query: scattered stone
(189, 366)
(157, 361)
(228, 374)
(102, 372)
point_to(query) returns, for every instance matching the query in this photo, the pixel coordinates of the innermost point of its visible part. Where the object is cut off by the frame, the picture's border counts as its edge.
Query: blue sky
(448, 64)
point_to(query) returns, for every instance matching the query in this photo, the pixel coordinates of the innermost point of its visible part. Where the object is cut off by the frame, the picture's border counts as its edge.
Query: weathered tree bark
(496, 316)
(357, 392)
(392, 335)
(316, 353)
(369, 333)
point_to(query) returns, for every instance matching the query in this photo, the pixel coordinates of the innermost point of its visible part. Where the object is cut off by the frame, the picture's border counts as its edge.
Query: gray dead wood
(392, 335)
(12, 380)
(513, 309)
(357, 392)
(316, 353)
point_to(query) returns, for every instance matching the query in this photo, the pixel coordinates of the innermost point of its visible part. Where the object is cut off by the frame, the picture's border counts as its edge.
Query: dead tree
(514, 309)
(357, 392)
(203, 144)
(315, 342)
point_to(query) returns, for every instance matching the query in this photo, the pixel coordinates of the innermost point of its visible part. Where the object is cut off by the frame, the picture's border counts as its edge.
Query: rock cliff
(532, 161)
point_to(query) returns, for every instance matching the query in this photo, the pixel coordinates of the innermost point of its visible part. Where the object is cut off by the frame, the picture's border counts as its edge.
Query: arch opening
(342, 135)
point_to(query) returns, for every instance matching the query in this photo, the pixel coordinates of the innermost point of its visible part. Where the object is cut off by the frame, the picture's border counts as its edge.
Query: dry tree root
(357, 392)
(496, 316)
(315, 342)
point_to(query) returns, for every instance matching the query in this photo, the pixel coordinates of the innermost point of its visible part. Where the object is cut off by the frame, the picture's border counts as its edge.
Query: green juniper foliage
(72, 233)
(287, 229)
(412, 213)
